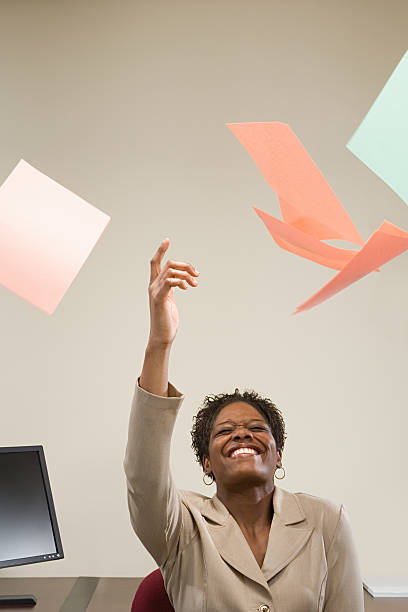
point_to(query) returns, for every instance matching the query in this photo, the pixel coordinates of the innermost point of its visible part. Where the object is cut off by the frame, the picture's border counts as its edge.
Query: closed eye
(254, 427)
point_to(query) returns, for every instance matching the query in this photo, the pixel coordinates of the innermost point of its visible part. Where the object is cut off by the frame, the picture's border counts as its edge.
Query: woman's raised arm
(154, 503)
(164, 317)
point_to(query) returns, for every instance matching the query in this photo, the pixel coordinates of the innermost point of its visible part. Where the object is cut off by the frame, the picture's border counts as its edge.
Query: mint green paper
(381, 140)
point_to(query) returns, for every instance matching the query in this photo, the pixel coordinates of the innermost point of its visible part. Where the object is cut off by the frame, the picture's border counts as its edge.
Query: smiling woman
(218, 419)
(252, 546)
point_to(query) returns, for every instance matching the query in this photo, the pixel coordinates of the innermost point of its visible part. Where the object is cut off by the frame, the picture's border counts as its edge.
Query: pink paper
(309, 247)
(384, 244)
(306, 199)
(311, 211)
(46, 234)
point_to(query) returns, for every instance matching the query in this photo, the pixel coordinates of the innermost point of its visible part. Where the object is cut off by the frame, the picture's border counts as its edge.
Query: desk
(50, 592)
(116, 595)
(385, 604)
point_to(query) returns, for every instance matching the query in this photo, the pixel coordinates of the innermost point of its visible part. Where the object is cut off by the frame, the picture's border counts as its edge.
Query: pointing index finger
(157, 259)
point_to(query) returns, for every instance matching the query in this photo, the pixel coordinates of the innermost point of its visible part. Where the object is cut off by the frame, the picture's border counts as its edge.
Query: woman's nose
(242, 433)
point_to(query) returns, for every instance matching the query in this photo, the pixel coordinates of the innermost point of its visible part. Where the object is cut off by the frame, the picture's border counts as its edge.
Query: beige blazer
(311, 562)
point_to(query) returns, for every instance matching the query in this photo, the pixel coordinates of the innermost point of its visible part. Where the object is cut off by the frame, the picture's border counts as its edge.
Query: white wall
(125, 104)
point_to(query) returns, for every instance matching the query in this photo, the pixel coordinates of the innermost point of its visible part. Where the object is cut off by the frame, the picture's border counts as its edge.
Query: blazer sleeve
(344, 587)
(154, 503)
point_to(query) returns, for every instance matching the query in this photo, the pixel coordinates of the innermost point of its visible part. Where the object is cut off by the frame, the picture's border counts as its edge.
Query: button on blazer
(311, 563)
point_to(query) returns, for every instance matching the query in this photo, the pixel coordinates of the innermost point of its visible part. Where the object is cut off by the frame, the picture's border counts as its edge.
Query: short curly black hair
(204, 420)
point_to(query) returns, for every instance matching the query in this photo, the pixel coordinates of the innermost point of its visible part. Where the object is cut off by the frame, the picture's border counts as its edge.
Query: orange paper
(305, 245)
(46, 235)
(306, 200)
(310, 210)
(384, 244)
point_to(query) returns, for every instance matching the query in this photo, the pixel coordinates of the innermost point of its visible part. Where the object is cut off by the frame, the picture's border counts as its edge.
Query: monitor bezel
(59, 554)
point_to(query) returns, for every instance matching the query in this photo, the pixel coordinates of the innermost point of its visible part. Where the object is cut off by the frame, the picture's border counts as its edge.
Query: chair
(151, 595)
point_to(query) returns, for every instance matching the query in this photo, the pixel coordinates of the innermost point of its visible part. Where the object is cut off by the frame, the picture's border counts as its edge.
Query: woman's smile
(242, 448)
(243, 452)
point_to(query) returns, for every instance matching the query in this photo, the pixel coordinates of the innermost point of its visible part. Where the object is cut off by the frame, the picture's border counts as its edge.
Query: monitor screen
(28, 524)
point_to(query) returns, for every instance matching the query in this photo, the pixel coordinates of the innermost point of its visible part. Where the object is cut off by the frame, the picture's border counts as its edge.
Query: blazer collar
(284, 544)
(285, 505)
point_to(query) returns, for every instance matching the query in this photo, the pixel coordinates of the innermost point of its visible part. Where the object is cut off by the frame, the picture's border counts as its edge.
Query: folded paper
(46, 234)
(310, 210)
(384, 244)
(305, 245)
(381, 140)
(306, 200)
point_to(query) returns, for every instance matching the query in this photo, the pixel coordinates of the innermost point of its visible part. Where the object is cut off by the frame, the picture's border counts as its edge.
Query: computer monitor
(28, 524)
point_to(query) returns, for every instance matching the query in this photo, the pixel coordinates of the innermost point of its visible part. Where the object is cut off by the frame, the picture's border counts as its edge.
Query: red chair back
(151, 595)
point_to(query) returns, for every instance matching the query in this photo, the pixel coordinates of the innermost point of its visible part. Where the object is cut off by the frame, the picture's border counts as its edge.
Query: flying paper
(381, 141)
(310, 210)
(384, 244)
(46, 234)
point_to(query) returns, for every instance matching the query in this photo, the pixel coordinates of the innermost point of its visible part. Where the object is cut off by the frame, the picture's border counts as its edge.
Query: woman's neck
(251, 508)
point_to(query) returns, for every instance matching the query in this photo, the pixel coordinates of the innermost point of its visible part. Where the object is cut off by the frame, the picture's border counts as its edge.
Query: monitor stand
(17, 601)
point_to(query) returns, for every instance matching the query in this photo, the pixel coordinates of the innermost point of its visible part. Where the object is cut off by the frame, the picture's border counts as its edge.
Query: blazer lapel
(230, 541)
(285, 540)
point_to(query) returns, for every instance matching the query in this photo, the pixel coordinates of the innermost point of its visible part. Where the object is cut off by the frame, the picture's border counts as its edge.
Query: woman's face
(240, 426)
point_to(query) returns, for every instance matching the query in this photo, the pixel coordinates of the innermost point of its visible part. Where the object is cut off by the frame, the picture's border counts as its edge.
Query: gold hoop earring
(210, 476)
(284, 472)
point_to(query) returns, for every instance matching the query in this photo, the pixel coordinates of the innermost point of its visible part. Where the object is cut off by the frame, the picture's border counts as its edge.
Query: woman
(252, 546)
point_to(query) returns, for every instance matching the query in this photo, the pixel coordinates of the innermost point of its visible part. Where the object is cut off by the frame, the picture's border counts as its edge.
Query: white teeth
(244, 451)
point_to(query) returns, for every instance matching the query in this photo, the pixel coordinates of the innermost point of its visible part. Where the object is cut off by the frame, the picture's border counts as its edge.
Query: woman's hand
(164, 317)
